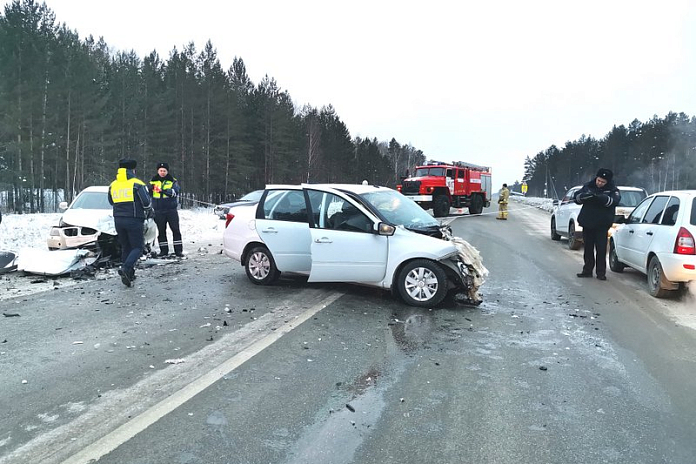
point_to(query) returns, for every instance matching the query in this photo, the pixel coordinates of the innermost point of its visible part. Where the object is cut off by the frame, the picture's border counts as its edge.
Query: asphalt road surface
(194, 364)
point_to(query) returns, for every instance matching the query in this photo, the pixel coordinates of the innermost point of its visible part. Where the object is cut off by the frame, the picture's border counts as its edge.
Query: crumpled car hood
(473, 268)
(52, 263)
(98, 219)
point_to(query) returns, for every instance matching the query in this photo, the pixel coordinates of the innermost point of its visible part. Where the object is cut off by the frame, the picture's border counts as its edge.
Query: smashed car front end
(466, 270)
(69, 237)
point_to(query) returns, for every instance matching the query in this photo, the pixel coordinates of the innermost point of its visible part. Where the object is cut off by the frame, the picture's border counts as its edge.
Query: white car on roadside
(360, 234)
(564, 218)
(657, 239)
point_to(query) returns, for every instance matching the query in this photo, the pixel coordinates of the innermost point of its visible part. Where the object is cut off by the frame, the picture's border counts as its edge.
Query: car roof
(96, 188)
(620, 187)
(682, 193)
(355, 188)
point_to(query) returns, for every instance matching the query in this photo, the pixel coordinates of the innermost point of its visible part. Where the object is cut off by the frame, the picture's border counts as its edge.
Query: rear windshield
(631, 198)
(693, 212)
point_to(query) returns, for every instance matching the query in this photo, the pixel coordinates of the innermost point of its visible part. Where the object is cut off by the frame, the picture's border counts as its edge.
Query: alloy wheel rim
(421, 284)
(259, 265)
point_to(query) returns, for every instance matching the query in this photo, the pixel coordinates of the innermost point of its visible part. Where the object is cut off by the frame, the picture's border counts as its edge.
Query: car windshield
(422, 172)
(631, 198)
(252, 196)
(399, 210)
(693, 212)
(91, 200)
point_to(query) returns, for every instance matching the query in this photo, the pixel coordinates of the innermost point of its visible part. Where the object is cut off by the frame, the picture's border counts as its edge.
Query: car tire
(260, 266)
(422, 283)
(554, 233)
(441, 206)
(614, 264)
(657, 280)
(476, 206)
(573, 242)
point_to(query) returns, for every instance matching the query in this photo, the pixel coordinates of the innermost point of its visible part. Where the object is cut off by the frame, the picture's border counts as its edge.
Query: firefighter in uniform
(503, 198)
(165, 189)
(131, 206)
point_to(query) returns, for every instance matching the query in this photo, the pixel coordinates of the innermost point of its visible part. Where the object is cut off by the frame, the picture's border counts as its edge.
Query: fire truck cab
(441, 186)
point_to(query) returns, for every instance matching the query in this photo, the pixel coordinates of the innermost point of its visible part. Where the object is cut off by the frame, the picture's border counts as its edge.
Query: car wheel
(573, 242)
(422, 283)
(441, 206)
(614, 263)
(656, 280)
(476, 205)
(554, 233)
(260, 266)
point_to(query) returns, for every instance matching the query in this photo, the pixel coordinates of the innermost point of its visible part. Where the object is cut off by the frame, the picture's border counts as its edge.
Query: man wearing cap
(164, 189)
(598, 198)
(131, 205)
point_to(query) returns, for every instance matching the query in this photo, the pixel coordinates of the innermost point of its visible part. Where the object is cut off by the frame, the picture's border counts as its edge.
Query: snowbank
(542, 203)
(19, 231)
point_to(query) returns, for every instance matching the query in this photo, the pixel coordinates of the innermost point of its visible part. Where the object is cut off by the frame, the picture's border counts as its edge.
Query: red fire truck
(440, 186)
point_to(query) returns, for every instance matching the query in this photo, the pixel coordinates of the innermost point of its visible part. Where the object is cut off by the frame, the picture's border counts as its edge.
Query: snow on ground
(199, 228)
(18, 231)
(542, 203)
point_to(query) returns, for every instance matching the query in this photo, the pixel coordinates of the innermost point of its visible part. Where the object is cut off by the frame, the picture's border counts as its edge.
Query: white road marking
(106, 425)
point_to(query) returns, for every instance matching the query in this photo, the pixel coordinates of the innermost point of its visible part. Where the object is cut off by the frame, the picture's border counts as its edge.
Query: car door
(282, 223)
(629, 243)
(644, 232)
(344, 247)
(563, 211)
(624, 236)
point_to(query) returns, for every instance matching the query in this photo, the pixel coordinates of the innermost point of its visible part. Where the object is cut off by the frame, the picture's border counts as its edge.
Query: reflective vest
(167, 184)
(122, 192)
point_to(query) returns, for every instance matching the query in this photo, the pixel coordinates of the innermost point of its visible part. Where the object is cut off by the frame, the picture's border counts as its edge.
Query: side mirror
(385, 229)
(619, 219)
(63, 205)
(555, 202)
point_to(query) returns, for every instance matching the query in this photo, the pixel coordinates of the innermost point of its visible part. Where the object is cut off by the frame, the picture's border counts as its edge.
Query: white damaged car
(89, 223)
(361, 234)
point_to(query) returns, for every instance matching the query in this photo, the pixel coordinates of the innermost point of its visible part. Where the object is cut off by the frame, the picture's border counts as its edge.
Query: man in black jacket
(598, 198)
(164, 190)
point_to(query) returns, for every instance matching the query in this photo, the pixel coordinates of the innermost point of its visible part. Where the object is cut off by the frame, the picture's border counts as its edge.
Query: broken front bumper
(67, 237)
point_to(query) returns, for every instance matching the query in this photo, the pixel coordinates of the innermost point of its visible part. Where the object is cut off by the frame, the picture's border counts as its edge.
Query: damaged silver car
(88, 223)
(361, 234)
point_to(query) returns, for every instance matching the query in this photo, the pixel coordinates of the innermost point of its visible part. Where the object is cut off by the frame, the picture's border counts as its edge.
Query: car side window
(569, 196)
(655, 211)
(285, 205)
(336, 213)
(638, 213)
(671, 211)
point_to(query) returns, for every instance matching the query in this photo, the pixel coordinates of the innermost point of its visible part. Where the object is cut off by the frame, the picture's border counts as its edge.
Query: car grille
(410, 187)
(77, 231)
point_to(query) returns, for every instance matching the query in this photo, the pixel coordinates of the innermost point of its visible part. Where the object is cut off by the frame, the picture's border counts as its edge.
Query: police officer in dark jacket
(598, 198)
(164, 190)
(131, 205)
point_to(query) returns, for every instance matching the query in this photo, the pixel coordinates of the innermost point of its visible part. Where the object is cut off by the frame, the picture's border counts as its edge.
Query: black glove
(585, 197)
(601, 199)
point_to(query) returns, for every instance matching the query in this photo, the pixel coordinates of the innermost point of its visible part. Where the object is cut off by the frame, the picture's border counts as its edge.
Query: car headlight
(55, 231)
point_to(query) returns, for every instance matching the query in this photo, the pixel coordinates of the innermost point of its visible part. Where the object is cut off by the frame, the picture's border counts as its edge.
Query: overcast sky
(487, 82)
